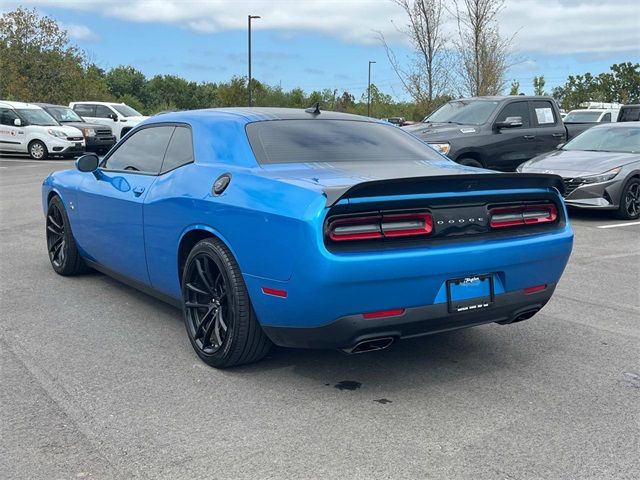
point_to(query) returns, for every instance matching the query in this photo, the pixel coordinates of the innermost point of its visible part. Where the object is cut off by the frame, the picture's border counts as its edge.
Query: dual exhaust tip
(370, 345)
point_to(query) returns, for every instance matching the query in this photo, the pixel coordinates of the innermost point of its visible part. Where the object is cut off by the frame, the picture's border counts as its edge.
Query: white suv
(27, 128)
(119, 116)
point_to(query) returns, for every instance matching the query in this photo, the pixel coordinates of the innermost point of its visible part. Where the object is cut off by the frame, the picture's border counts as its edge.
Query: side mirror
(113, 117)
(510, 122)
(87, 163)
(17, 122)
(560, 145)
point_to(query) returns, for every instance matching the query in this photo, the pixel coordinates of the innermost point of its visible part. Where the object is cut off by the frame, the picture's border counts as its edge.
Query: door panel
(110, 229)
(12, 138)
(512, 146)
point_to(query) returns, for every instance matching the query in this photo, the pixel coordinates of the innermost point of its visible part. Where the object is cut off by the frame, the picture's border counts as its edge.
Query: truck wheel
(470, 162)
(38, 150)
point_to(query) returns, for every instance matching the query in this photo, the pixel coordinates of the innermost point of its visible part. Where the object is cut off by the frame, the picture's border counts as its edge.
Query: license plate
(471, 293)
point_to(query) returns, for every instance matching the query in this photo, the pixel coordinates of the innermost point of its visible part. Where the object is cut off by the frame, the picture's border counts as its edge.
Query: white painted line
(619, 225)
(38, 162)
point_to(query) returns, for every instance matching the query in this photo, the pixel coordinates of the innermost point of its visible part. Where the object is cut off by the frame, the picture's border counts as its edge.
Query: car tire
(38, 150)
(470, 162)
(220, 320)
(629, 208)
(61, 246)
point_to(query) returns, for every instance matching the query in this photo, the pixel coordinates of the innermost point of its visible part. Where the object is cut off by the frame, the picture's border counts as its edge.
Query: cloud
(542, 26)
(80, 32)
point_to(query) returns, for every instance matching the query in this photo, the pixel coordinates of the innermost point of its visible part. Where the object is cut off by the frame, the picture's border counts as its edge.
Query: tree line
(38, 63)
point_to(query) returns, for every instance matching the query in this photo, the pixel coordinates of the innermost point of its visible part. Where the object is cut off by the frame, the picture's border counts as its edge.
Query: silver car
(600, 168)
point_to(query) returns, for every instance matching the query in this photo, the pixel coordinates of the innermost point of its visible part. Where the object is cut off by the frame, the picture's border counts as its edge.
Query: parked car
(307, 229)
(493, 132)
(120, 117)
(27, 128)
(98, 138)
(629, 113)
(593, 115)
(397, 121)
(600, 169)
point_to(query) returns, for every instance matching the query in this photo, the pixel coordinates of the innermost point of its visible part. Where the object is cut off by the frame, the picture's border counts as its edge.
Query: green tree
(538, 85)
(37, 62)
(515, 88)
(124, 80)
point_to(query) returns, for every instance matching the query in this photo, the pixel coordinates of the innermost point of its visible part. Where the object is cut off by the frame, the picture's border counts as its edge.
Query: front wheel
(629, 208)
(221, 324)
(63, 253)
(38, 150)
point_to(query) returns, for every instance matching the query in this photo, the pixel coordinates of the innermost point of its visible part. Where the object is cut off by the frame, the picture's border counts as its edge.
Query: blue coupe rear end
(345, 232)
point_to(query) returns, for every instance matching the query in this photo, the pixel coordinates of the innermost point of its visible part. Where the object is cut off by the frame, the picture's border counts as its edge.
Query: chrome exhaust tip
(370, 345)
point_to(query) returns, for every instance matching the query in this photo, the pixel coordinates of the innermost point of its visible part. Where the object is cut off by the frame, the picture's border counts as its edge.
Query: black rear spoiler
(444, 183)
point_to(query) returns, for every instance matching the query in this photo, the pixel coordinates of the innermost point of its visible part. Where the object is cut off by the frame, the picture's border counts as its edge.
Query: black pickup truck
(497, 132)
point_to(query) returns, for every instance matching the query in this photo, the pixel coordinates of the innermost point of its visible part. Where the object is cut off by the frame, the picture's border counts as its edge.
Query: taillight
(368, 227)
(522, 215)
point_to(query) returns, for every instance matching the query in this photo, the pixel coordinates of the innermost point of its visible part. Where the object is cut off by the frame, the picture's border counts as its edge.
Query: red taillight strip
(379, 226)
(537, 288)
(406, 224)
(522, 215)
(394, 312)
(275, 292)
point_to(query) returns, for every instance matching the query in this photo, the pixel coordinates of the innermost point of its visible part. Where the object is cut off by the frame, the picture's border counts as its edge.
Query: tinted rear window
(311, 141)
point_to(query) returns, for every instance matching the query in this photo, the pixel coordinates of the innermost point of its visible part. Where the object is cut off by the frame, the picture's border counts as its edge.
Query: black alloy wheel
(61, 245)
(220, 321)
(630, 200)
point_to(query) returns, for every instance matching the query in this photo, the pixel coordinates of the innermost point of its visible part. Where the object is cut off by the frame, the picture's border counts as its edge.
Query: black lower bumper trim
(414, 322)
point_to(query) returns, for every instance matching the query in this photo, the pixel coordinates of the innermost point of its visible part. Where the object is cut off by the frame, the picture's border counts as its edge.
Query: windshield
(469, 112)
(311, 141)
(37, 116)
(64, 114)
(586, 117)
(607, 139)
(125, 110)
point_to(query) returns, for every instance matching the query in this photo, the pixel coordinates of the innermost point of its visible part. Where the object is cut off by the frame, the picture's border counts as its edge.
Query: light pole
(250, 17)
(369, 91)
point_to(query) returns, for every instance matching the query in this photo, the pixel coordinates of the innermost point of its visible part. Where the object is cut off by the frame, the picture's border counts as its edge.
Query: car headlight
(443, 148)
(57, 133)
(602, 177)
(89, 132)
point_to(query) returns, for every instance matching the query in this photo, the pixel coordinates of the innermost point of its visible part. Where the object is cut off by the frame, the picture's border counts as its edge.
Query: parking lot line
(619, 225)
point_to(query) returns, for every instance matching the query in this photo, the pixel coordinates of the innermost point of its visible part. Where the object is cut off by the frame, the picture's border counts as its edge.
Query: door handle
(137, 191)
(558, 135)
(529, 137)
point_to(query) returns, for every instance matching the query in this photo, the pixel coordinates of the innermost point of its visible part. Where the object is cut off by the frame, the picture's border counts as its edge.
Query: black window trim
(131, 133)
(90, 105)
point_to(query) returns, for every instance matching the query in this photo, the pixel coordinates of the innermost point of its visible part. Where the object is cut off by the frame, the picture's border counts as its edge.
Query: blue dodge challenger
(305, 228)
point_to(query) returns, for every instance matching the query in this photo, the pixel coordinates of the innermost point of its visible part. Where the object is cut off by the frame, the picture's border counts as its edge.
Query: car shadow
(592, 215)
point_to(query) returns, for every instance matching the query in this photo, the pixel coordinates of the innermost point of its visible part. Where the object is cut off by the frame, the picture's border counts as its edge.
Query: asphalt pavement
(99, 381)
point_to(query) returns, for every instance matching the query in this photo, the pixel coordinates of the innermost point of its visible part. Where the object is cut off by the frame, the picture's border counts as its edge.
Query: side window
(85, 110)
(7, 117)
(516, 109)
(103, 112)
(544, 113)
(606, 118)
(142, 152)
(180, 150)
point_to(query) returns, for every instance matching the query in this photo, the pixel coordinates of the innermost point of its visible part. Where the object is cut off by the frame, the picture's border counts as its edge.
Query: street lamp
(369, 91)
(250, 17)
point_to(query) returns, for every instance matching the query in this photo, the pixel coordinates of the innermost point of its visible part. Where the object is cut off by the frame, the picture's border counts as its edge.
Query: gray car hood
(578, 163)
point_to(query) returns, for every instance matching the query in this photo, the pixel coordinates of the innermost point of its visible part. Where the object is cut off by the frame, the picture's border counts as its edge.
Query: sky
(317, 44)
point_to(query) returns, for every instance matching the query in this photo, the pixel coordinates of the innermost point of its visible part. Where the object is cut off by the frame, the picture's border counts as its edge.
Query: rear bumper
(414, 322)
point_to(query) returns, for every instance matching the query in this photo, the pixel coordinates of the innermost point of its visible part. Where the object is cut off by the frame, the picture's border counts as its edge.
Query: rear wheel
(470, 162)
(221, 324)
(63, 253)
(629, 208)
(38, 150)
